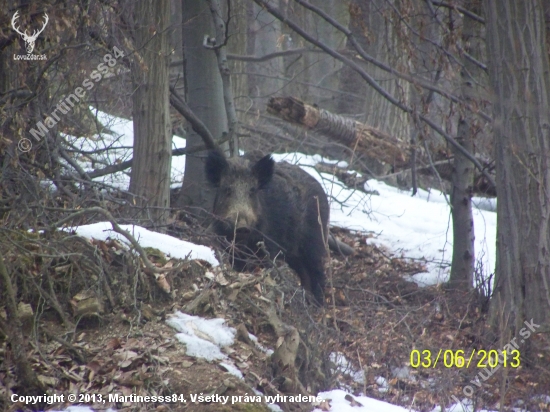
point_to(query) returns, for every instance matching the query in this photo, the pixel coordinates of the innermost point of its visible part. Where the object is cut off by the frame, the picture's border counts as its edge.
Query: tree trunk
(463, 263)
(237, 44)
(150, 177)
(462, 266)
(263, 37)
(220, 51)
(319, 72)
(26, 376)
(519, 74)
(205, 97)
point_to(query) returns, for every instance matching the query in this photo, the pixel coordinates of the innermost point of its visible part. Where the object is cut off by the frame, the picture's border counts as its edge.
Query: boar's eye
(253, 191)
(226, 190)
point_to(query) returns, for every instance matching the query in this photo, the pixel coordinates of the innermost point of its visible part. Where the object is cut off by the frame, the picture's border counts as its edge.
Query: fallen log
(355, 135)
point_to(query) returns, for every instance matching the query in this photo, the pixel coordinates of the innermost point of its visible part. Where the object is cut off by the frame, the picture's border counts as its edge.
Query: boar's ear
(216, 164)
(263, 170)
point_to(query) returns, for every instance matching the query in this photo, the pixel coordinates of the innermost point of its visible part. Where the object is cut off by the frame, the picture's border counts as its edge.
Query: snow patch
(176, 248)
(344, 366)
(265, 350)
(232, 369)
(118, 138)
(417, 228)
(340, 404)
(202, 337)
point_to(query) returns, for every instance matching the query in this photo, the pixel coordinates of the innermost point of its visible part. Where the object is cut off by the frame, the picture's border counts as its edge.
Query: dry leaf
(113, 343)
(125, 354)
(47, 380)
(220, 278)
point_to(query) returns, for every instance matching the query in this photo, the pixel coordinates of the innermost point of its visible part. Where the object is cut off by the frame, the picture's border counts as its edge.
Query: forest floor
(361, 341)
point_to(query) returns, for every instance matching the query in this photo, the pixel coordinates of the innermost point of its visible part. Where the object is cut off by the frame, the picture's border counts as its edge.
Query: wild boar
(277, 203)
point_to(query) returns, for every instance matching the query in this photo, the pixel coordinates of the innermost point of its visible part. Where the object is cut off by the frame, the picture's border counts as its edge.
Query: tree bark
(237, 45)
(463, 262)
(219, 48)
(519, 74)
(205, 98)
(263, 37)
(150, 177)
(462, 266)
(320, 73)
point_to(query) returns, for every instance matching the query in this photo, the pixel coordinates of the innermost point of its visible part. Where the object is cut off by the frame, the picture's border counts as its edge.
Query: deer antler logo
(29, 40)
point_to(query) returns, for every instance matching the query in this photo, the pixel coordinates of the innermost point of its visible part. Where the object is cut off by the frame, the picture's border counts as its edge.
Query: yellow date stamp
(478, 358)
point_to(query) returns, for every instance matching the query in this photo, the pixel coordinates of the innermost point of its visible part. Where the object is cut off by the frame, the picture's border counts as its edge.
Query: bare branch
(265, 57)
(364, 55)
(74, 164)
(198, 126)
(373, 83)
(128, 163)
(270, 56)
(468, 56)
(462, 10)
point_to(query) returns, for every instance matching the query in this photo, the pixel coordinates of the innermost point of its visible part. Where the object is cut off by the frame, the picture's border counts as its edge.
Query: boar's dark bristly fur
(280, 204)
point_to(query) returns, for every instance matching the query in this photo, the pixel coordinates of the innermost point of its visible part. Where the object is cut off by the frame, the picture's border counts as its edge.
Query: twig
(462, 10)
(74, 164)
(80, 354)
(329, 267)
(128, 163)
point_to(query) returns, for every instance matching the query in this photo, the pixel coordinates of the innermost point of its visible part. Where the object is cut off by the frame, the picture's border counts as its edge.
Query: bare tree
(463, 263)
(264, 37)
(519, 72)
(203, 88)
(150, 178)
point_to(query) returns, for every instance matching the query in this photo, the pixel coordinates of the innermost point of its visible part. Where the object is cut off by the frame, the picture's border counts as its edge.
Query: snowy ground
(413, 227)
(171, 246)
(118, 137)
(416, 227)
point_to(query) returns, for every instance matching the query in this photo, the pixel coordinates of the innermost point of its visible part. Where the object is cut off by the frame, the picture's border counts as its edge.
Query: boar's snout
(233, 225)
(242, 234)
(243, 224)
(243, 231)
